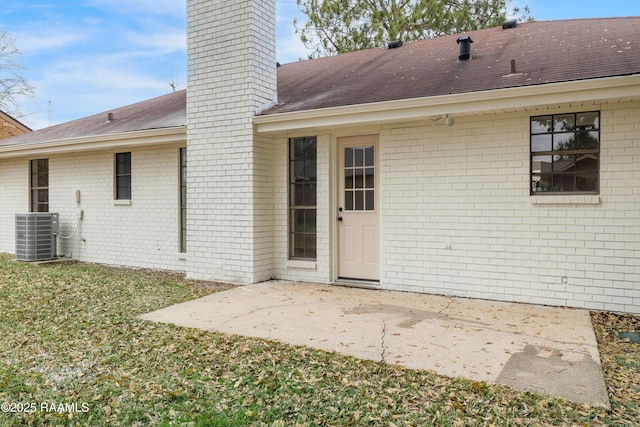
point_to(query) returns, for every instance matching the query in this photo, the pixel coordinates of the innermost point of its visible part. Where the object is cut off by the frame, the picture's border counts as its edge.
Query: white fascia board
(173, 135)
(462, 103)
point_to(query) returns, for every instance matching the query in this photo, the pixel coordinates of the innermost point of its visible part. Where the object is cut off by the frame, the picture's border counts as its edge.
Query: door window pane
(358, 176)
(348, 157)
(369, 200)
(359, 181)
(369, 177)
(369, 156)
(348, 178)
(348, 200)
(359, 205)
(359, 155)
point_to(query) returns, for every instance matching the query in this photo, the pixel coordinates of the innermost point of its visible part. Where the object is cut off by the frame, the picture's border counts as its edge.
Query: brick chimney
(231, 74)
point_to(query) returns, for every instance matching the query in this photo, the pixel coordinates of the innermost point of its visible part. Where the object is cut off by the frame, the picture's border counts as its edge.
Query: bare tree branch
(12, 84)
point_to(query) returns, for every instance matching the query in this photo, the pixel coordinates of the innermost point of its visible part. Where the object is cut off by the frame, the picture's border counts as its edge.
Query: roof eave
(164, 136)
(461, 103)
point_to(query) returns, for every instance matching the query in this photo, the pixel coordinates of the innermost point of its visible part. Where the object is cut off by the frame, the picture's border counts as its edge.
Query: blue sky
(88, 56)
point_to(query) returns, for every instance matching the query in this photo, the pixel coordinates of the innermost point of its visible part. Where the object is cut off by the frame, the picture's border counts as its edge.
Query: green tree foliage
(338, 26)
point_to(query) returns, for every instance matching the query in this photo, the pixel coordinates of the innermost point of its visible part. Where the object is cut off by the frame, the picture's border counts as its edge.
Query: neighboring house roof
(9, 126)
(544, 52)
(167, 111)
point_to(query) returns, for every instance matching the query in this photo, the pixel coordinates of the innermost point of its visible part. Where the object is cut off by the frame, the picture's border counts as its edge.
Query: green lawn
(73, 352)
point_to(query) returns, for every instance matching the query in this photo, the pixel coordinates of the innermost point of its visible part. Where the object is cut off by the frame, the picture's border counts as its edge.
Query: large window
(565, 153)
(302, 197)
(39, 185)
(123, 176)
(183, 200)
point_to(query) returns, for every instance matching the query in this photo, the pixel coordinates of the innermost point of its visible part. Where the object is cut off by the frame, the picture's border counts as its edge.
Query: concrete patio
(549, 350)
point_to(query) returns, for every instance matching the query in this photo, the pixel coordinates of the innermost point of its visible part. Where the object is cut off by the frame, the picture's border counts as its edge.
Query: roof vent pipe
(511, 23)
(464, 48)
(394, 44)
(110, 117)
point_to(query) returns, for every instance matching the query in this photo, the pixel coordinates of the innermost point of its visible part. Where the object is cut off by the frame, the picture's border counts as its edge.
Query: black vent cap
(464, 48)
(511, 23)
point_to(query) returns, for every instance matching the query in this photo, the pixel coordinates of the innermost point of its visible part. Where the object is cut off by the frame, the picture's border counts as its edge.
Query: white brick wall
(14, 198)
(457, 217)
(142, 234)
(231, 74)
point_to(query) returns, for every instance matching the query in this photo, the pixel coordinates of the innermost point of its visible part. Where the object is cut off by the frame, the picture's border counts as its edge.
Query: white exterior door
(358, 208)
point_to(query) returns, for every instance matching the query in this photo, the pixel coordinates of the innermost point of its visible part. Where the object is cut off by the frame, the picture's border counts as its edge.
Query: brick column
(231, 74)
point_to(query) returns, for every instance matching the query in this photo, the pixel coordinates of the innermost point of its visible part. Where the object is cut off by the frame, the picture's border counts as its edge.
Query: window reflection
(565, 152)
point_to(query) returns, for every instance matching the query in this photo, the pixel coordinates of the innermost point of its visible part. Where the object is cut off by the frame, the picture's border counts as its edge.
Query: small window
(302, 197)
(359, 178)
(183, 200)
(565, 153)
(123, 176)
(39, 185)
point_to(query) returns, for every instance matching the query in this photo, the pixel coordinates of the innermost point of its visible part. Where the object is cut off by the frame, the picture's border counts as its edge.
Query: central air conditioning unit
(36, 236)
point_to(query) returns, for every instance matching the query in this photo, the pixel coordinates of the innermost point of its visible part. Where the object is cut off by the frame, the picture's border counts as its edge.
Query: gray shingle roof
(544, 52)
(157, 113)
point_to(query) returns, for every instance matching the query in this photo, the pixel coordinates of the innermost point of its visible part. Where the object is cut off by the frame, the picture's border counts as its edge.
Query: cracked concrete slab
(476, 339)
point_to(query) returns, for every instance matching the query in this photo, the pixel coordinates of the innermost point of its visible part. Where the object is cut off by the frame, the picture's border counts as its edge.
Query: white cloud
(157, 7)
(92, 20)
(168, 41)
(35, 40)
(289, 48)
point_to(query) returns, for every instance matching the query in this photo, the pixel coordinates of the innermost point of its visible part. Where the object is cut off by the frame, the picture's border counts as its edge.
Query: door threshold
(358, 283)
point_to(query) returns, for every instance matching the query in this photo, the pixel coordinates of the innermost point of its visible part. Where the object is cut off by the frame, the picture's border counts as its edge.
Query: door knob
(340, 218)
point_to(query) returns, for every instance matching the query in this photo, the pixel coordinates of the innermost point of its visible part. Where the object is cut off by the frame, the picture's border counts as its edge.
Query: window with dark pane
(123, 176)
(39, 185)
(565, 153)
(183, 200)
(302, 197)
(359, 179)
